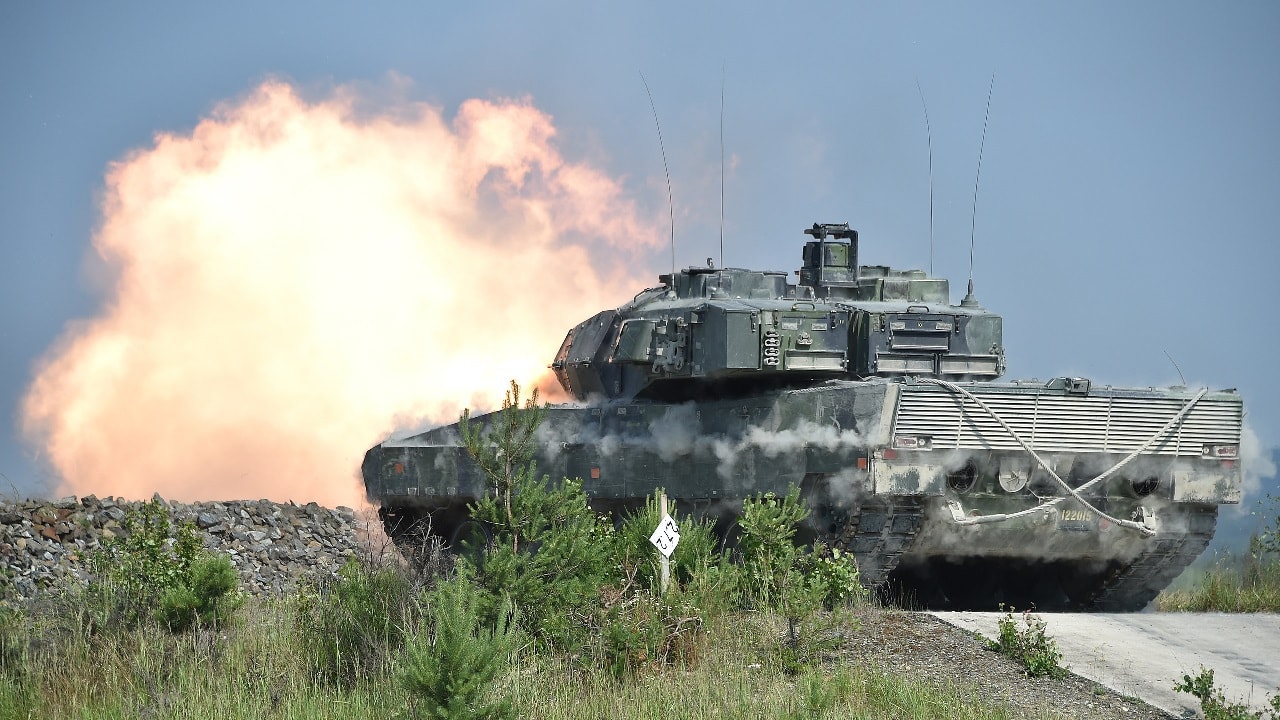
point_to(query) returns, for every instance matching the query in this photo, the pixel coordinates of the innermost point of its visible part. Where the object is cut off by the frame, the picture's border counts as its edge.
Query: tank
(865, 387)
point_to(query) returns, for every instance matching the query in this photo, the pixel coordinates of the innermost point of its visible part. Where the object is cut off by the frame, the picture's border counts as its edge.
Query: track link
(1132, 587)
(877, 532)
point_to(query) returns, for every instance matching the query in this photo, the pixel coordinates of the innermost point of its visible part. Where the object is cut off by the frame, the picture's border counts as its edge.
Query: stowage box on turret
(866, 388)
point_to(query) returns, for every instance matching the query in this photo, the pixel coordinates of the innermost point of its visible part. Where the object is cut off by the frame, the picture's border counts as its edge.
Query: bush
(205, 599)
(1030, 646)
(449, 668)
(795, 582)
(355, 624)
(640, 629)
(155, 569)
(835, 576)
(1214, 703)
(551, 565)
(550, 554)
(637, 558)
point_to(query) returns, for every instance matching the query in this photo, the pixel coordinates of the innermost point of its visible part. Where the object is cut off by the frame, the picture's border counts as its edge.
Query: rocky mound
(275, 546)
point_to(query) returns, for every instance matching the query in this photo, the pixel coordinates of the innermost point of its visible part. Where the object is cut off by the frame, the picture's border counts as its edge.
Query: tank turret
(712, 332)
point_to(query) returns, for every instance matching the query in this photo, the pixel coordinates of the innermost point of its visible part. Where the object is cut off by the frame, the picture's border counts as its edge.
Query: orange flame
(294, 280)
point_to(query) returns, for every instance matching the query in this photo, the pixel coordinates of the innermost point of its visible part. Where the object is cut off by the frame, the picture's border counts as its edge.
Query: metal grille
(1100, 422)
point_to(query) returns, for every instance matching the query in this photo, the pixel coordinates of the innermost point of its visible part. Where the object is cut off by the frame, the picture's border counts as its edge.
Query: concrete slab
(1144, 654)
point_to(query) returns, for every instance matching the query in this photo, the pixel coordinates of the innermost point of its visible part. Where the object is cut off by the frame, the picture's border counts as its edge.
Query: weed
(1214, 703)
(642, 629)
(795, 582)
(358, 622)
(205, 599)
(835, 575)
(1267, 540)
(155, 569)
(1030, 646)
(1234, 583)
(635, 554)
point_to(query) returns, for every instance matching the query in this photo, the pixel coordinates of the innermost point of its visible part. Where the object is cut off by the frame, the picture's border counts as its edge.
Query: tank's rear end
(1064, 494)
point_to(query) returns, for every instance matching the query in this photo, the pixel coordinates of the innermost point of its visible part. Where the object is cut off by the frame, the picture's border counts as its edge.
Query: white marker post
(665, 538)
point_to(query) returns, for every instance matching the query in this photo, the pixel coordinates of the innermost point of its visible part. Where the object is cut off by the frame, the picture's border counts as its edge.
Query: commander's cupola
(831, 261)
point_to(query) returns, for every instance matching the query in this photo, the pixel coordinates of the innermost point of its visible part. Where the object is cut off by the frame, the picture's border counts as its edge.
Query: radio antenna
(1175, 367)
(929, 136)
(721, 164)
(671, 213)
(969, 300)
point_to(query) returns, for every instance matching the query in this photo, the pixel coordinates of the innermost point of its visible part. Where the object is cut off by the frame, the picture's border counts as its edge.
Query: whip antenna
(929, 136)
(969, 299)
(1175, 367)
(722, 165)
(671, 213)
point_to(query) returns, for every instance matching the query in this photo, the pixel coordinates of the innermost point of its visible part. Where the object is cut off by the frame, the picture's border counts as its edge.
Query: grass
(1232, 583)
(736, 678)
(258, 667)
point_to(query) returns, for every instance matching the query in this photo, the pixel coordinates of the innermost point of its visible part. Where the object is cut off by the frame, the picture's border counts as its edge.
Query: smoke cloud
(295, 279)
(1255, 464)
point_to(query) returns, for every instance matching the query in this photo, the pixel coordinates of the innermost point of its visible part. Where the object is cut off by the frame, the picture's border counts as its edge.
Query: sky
(240, 243)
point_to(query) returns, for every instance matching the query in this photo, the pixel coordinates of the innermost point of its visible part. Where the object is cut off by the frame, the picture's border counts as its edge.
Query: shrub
(155, 569)
(635, 630)
(771, 561)
(550, 553)
(795, 582)
(834, 574)
(637, 558)
(1030, 646)
(1214, 703)
(355, 624)
(551, 565)
(449, 668)
(205, 599)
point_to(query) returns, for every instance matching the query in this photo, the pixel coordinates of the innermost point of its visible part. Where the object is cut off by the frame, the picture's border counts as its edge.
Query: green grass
(258, 667)
(1232, 583)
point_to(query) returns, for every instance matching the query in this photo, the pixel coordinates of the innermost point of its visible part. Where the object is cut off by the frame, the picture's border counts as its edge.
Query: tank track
(1132, 587)
(877, 532)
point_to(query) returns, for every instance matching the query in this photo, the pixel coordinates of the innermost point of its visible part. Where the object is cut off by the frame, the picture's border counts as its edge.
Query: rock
(275, 547)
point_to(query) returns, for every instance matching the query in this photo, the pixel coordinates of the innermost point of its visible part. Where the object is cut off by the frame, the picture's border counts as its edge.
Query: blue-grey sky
(1129, 186)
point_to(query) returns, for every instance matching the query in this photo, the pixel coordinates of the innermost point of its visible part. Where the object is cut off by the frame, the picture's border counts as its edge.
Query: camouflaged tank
(875, 395)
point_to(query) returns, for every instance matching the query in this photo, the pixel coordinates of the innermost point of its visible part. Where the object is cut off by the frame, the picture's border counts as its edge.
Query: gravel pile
(45, 543)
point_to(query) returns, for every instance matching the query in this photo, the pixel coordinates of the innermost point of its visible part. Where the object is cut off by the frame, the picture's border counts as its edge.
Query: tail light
(913, 442)
(1221, 452)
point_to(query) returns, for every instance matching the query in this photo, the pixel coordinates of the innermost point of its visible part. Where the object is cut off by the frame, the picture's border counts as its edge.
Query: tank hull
(958, 494)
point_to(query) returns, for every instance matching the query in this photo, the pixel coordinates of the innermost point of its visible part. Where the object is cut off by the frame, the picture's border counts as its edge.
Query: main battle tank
(866, 388)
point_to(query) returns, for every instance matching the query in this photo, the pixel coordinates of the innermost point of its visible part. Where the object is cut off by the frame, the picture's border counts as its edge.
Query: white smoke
(1255, 464)
(675, 433)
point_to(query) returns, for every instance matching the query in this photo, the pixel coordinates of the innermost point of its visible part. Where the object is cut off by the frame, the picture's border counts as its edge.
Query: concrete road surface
(1144, 654)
